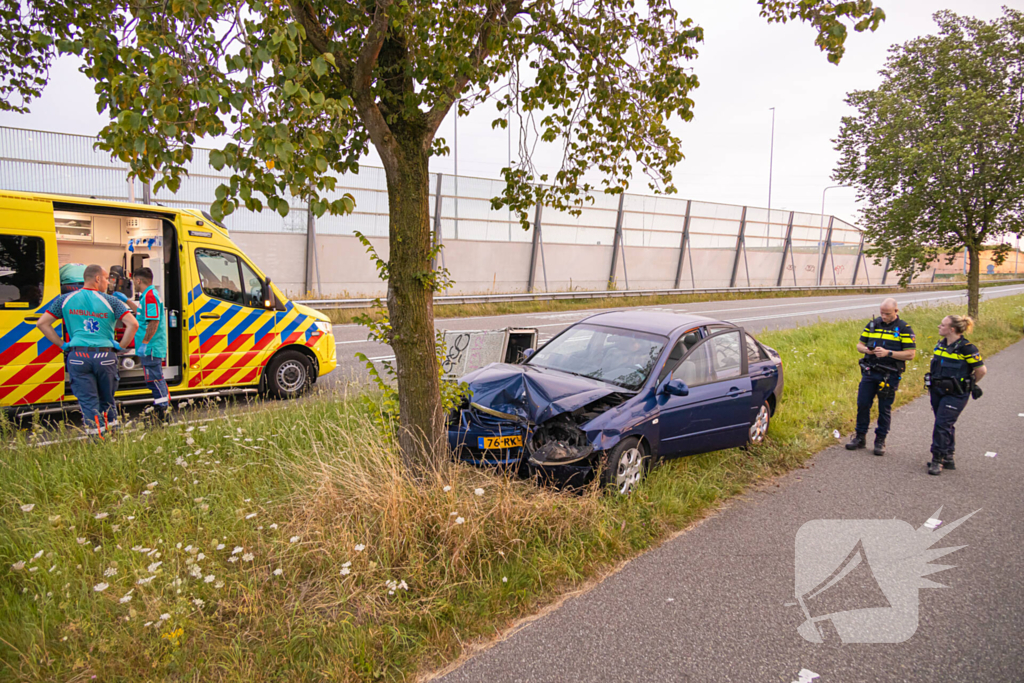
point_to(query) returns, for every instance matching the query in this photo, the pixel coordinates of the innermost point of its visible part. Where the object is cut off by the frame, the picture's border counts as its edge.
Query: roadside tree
(936, 152)
(303, 88)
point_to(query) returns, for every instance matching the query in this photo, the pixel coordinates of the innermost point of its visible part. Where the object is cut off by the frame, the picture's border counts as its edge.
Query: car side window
(725, 355)
(695, 370)
(754, 352)
(685, 343)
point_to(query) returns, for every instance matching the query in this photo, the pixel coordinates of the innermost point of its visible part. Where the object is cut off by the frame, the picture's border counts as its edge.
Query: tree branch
(479, 53)
(304, 13)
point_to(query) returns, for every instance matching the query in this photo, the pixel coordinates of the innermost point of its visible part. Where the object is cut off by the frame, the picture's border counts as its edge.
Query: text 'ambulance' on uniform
(89, 316)
(887, 343)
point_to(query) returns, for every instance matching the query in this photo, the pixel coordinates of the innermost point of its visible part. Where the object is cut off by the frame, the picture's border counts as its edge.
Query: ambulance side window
(253, 286)
(22, 270)
(219, 275)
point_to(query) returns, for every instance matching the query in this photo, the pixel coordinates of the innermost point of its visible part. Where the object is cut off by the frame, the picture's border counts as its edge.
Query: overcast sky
(745, 68)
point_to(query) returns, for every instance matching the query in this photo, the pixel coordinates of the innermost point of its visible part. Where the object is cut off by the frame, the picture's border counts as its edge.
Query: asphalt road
(717, 602)
(754, 314)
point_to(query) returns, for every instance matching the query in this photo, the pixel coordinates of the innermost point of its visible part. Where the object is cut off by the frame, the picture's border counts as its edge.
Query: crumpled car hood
(533, 394)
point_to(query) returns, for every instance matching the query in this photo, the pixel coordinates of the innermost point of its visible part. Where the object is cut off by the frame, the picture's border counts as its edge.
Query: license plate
(497, 442)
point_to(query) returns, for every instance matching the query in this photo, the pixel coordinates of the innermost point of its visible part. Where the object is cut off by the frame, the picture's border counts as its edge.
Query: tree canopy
(937, 150)
(303, 88)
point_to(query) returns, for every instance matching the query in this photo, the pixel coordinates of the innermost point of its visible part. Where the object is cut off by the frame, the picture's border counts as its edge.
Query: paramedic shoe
(857, 441)
(935, 467)
(879, 446)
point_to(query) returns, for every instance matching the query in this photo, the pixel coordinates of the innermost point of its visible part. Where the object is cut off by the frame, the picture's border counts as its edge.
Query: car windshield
(621, 357)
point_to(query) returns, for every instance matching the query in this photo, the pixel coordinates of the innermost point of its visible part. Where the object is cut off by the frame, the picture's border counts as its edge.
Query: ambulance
(229, 328)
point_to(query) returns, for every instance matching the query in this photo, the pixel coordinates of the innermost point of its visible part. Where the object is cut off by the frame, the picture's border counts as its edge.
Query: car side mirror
(675, 387)
(527, 353)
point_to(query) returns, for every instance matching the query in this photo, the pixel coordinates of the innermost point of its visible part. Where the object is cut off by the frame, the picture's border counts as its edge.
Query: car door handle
(734, 391)
(209, 316)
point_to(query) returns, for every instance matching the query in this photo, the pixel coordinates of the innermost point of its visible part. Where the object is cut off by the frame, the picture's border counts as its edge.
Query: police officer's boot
(935, 466)
(947, 462)
(879, 445)
(857, 441)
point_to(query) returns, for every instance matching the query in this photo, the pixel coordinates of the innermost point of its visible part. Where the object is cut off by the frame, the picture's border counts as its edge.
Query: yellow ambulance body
(229, 327)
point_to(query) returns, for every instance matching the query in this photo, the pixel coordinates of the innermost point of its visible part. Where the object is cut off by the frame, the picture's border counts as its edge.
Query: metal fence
(701, 244)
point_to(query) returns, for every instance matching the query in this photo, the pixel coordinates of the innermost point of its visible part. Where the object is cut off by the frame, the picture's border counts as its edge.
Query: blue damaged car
(617, 391)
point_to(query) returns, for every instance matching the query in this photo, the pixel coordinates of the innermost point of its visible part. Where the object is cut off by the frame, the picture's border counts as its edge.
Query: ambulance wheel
(289, 375)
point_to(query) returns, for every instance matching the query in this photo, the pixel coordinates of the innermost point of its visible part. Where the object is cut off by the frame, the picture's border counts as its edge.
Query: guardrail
(334, 304)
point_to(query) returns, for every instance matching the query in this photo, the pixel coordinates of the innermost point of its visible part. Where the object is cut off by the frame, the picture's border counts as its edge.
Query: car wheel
(625, 466)
(289, 375)
(759, 428)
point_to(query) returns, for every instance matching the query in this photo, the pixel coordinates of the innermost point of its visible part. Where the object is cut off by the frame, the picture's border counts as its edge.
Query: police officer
(887, 343)
(89, 316)
(955, 371)
(151, 339)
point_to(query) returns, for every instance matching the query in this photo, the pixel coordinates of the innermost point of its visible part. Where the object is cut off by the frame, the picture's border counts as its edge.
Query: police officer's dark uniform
(950, 382)
(880, 377)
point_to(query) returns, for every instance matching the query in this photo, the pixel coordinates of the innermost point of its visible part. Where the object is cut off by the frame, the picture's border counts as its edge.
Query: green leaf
(217, 159)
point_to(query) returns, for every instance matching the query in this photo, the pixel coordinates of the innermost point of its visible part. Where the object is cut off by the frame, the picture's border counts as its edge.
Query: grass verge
(284, 544)
(346, 316)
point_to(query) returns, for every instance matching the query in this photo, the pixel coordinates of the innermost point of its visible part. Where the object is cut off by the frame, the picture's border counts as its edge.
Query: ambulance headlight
(324, 327)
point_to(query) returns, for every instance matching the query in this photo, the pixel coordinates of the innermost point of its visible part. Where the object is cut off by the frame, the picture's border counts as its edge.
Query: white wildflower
(110, 571)
(248, 557)
(190, 441)
(220, 546)
(131, 517)
(27, 507)
(278, 571)
(219, 584)
(504, 579)
(97, 549)
(347, 564)
(274, 525)
(126, 598)
(233, 559)
(115, 527)
(165, 617)
(151, 485)
(18, 566)
(143, 582)
(100, 587)
(197, 500)
(102, 515)
(178, 545)
(360, 548)
(196, 571)
(250, 515)
(478, 492)
(459, 520)
(81, 541)
(189, 429)
(159, 449)
(293, 539)
(153, 567)
(33, 569)
(209, 578)
(200, 557)
(146, 493)
(446, 489)
(345, 571)
(38, 555)
(237, 550)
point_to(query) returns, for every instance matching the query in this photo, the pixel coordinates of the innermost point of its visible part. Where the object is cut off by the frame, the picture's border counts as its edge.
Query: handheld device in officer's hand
(976, 392)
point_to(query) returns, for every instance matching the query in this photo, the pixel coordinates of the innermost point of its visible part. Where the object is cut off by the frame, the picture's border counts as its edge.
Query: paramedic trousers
(947, 409)
(153, 372)
(870, 387)
(93, 375)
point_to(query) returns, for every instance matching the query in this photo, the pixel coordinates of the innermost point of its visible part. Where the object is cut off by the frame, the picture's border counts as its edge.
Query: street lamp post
(821, 229)
(771, 159)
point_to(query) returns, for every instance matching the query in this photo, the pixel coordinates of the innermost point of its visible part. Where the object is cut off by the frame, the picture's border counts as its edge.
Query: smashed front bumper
(564, 461)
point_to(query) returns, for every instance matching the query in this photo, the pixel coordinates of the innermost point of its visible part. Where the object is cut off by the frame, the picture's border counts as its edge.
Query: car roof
(653, 322)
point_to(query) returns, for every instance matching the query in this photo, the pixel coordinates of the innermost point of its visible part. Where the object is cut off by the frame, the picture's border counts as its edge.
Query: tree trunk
(973, 279)
(411, 308)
